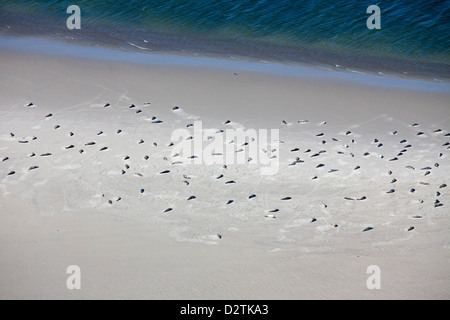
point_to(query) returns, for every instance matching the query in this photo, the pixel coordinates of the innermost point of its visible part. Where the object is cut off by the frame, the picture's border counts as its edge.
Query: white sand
(58, 214)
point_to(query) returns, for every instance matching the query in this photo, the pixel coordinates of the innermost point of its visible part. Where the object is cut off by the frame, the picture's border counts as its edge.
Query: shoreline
(390, 53)
(49, 47)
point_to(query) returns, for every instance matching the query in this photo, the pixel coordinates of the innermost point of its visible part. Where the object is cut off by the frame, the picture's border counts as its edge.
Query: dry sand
(80, 208)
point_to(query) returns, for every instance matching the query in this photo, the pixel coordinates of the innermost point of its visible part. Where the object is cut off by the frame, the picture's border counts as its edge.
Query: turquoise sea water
(414, 38)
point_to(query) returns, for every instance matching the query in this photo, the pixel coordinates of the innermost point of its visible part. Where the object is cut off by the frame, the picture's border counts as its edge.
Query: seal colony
(88, 193)
(348, 153)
